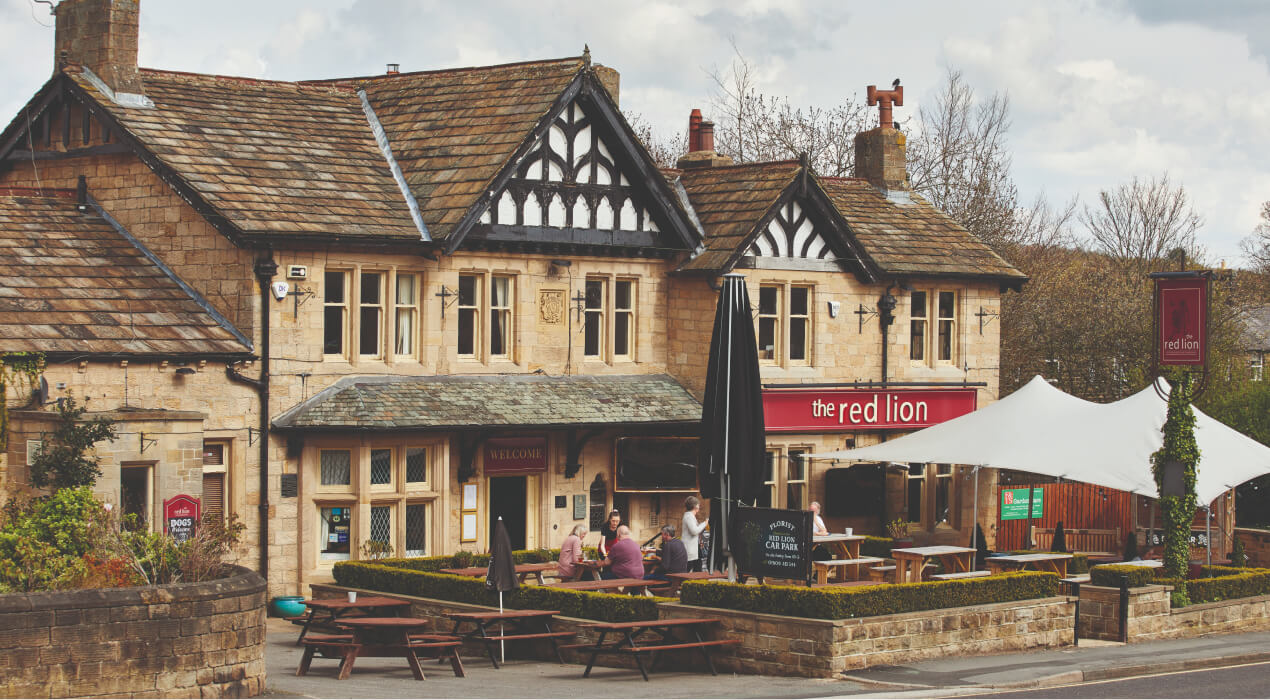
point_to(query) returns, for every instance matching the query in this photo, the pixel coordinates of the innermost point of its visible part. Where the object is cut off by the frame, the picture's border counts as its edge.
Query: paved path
(1247, 681)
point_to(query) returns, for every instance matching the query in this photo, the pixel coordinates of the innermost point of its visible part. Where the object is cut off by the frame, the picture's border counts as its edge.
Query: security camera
(280, 290)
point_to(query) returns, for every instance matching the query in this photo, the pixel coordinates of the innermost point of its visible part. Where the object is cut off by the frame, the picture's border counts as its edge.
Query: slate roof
(277, 157)
(912, 238)
(447, 402)
(1256, 333)
(72, 283)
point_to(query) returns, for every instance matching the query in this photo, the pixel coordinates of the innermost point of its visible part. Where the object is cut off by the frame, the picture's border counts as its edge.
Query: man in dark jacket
(673, 556)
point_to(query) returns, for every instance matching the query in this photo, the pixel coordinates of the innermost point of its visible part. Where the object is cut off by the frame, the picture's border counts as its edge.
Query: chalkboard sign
(772, 542)
(180, 516)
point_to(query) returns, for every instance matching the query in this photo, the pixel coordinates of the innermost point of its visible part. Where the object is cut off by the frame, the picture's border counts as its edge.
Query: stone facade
(1151, 615)
(182, 640)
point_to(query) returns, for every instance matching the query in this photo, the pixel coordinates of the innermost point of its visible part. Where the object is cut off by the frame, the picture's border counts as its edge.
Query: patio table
(1053, 562)
(659, 636)
(383, 636)
(523, 571)
(677, 580)
(508, 625)
(910, 560)
(327, 611)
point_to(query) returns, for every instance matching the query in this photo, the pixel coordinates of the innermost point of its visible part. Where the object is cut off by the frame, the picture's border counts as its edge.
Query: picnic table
(588, 567)
(523, 571)
(612, 585)
(327, 611)
(677, 580)
(847, 551)
(509, 625)
(382, 636)
(659, 636)
(1053, 562)
(1148, 563)
(910, 560)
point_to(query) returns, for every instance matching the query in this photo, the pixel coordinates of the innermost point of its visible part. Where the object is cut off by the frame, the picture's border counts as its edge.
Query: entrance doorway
(134, 495)
(507, 498)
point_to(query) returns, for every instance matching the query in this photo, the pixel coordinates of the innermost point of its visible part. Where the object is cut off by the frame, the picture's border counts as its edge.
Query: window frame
(351, 486)
(806, 318)
(393, 468)
(428, 509)
(508, 312)
(600, 313)
(933, 324)
(917, 351)
(778, 481)
(774, 317)
(953, 330)
(222, 469)
(379, 308)
(413, 313)
(625, 316)
(346, 324)
(473, 308)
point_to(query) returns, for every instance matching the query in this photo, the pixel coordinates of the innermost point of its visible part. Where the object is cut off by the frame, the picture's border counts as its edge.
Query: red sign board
(817, 410)
(180, 516)
(515, 455)
(1182, 310)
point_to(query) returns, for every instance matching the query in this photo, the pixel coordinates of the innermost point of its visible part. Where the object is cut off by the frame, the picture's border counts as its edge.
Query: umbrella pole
(974, 508)
(502, 645)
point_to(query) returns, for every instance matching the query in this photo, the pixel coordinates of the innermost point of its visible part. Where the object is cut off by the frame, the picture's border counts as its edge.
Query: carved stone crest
(551, 305)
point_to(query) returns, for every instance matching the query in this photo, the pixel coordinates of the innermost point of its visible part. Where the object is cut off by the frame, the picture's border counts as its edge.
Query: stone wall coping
(241, 581)
(876, 619)
(1137, 590)
(1198, 607)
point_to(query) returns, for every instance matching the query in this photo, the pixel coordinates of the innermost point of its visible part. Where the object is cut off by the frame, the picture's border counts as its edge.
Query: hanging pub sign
(817, 410)
(1181, 318)
(515, 455)
(772, 542)
(180, 516)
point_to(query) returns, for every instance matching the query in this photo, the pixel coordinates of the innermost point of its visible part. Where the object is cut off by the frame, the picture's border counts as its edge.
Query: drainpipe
(886, 316)
(265, 268)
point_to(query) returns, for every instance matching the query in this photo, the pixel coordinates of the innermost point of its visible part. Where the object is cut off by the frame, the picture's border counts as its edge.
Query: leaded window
(380, 467)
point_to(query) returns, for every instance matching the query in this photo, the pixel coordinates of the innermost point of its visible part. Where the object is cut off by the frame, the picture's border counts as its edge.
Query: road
(1248, 681)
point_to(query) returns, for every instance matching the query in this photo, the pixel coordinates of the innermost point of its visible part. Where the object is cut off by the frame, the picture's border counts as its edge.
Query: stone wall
(1151, 616)
(1256, 544)
(789, 646)
(181, 640)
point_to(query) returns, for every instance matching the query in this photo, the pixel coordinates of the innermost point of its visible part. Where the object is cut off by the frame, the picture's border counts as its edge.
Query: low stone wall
(1256, 544)
(789, 646)
(180, 640)
(1151, 615)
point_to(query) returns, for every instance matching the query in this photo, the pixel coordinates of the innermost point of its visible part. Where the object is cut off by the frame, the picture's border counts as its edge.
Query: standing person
(624, 559)
(692, 528)
(608, 533)
(673, 558)
(571, 552)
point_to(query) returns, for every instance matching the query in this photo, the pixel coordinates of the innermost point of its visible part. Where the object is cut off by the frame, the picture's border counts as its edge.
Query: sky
(1101, 90)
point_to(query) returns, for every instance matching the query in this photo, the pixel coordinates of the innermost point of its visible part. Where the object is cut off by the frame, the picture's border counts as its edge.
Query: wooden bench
(1080, 540)
(536, 635)
(825, 566)
(663, 631)
(960, 574)
(339, 646)
(881, 574)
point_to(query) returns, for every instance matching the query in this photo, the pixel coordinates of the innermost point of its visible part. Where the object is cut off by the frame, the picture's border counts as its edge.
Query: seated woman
(570, 553)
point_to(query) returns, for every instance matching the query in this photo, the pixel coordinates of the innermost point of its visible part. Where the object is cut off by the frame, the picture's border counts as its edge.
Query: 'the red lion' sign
(1182, 310)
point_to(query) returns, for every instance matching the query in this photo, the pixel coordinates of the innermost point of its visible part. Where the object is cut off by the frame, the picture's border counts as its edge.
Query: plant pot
(287, 605)
(902, 542)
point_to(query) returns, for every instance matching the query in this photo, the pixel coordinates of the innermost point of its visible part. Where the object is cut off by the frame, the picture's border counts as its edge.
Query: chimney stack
(701, 153)
(100, 35)
(393, 69)
(610, 79)
(880, 153)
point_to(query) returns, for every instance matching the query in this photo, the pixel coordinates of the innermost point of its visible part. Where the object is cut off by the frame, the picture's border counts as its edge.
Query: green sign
(1014, 504)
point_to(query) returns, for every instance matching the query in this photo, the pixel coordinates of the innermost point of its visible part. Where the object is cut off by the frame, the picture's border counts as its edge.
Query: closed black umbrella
(501, 575)
(733, 448)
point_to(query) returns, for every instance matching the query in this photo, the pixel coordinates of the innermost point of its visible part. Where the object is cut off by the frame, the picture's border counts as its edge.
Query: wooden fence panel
(1076, 505)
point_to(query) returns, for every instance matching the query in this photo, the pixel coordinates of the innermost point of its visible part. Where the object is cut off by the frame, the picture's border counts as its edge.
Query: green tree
(1179, 511)
(62, 461)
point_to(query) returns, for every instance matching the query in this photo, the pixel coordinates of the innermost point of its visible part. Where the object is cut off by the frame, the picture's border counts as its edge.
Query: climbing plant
(20, 370)
(1179, 511)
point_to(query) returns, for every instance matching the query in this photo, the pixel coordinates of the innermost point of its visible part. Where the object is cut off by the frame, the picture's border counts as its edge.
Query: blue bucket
(288, 605)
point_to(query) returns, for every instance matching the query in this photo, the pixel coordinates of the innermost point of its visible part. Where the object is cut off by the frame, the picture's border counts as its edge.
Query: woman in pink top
(570, 552)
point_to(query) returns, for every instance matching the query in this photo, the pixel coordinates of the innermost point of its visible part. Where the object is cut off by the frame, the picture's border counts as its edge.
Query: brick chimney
(100, 35)
(701, 153)
(610, 79)
(880, 154)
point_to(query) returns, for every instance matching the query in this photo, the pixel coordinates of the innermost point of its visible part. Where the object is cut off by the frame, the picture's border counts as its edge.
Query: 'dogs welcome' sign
(180, 516)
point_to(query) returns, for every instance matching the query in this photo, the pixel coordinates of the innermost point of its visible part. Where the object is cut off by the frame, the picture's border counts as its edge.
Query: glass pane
(592, 334)
(798, 301)
(333, 287)
(594, 294)
(941, 500)
(381, 523)
(336, 467)
(213, 454)
(467, 290)
(916, 469)
(767, 300)
(370, 287)
(945, 340)
(622, 333)
(405, 332)
(333, 330)
(381, 466)
(406, 290)
(416, 464)
(918, 307)
(772, 457)
(917, 340)
(498, 333)
(797, 338)
(914, 513)
(795, 465)
(498, 291)
(945, 304)
(622, 295)
(416, 529)
(336, 524)
(370, 331)
(767, 338)
(467, 332)
(794, 496)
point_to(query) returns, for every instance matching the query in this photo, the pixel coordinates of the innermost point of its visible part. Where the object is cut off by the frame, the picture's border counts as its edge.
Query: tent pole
(1208, 535)
(974, 532)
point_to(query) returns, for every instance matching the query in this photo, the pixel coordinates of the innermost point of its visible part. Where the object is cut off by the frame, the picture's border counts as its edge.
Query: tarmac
(942, 677)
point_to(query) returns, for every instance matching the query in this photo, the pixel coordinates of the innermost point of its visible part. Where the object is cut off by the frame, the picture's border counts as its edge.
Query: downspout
(886, 316)
(265, 268)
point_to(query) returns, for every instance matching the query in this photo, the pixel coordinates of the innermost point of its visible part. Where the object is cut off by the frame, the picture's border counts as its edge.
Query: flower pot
(902, 542)
(287, 605)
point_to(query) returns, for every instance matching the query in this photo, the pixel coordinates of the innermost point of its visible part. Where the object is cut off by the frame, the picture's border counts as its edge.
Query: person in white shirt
(690, 530)
(818, 524)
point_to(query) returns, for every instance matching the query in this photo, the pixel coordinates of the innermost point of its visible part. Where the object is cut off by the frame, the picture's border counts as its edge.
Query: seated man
(624, 559)
(673, 556)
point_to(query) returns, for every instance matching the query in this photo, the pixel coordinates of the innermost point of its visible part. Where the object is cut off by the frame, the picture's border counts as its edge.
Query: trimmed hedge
(867, 601)
(604, 607)
(1109, 575)
(466, 559)
(1230, 583)
(876, 547)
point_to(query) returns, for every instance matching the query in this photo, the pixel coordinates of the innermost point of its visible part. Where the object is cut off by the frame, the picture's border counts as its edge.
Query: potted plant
(898, 530)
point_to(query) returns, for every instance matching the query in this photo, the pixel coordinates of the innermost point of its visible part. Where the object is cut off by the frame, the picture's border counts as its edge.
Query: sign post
(181, 516)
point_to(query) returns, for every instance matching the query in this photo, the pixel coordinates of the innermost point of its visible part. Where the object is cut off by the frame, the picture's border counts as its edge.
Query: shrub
(1238, 555)
(62, 461)
(876, 547)
(43, 541)
(867, 601)
(1230, 583)
(463, 560)
(385, 576)
(1109, 575)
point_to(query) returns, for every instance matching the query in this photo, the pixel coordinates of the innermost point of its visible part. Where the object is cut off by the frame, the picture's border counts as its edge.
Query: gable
(792, 233)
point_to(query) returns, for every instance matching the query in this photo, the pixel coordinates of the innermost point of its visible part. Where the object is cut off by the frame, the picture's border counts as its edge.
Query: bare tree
(1143, 223)
(664, 151)
(1257, 246)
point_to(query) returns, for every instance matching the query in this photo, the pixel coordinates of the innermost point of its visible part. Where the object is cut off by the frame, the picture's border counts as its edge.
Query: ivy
(16, 368)
(1179, 512)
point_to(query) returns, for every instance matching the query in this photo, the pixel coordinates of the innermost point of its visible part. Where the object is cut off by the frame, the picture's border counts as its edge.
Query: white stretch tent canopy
(1042, 430)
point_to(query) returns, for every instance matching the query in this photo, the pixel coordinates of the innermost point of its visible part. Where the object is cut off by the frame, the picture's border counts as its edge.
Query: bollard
(1075, 590)
(1124, 608)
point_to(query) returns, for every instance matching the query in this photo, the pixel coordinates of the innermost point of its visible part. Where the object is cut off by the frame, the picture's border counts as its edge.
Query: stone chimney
(701, 153)
(880, 154)
(100, 35)
(610, 79)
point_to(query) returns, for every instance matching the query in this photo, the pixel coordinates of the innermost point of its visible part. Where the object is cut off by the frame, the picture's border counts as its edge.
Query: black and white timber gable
(802, 231)
(791, 233)
(584, 184)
